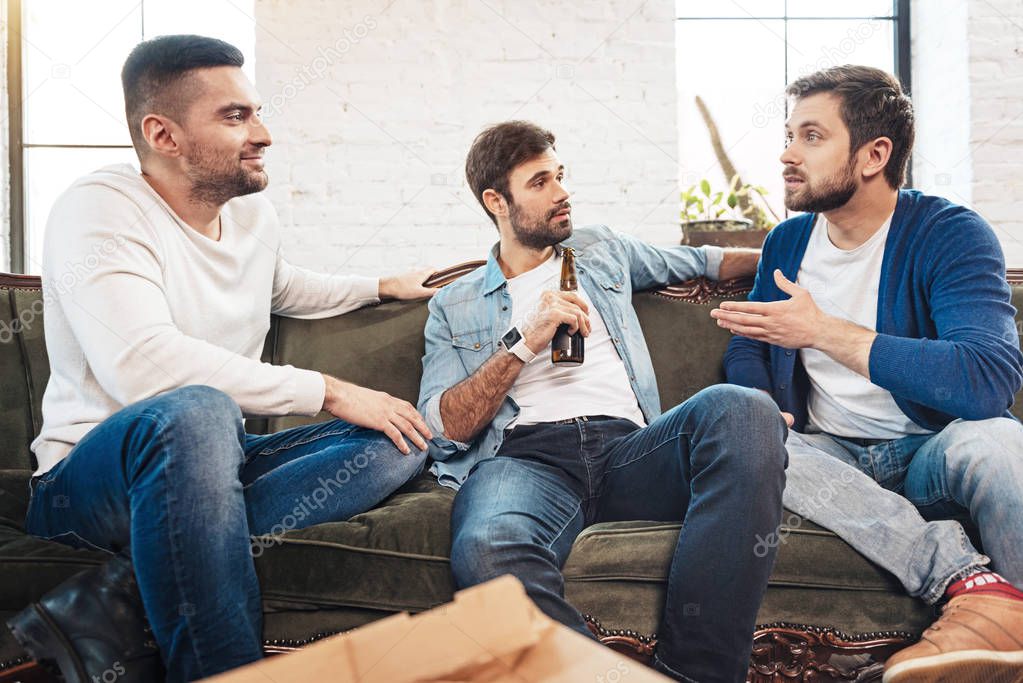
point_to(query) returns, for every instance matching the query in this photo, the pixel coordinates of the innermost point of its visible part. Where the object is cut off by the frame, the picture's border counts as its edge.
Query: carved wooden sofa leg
(787, 652)
(782, 653)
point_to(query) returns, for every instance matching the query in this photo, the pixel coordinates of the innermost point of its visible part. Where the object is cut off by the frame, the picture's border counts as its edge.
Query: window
(738, 56)
(70, 101)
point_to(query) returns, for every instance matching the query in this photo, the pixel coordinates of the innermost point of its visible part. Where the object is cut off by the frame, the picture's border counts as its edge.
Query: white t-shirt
(137, 303)
(845, 284)
(546, 392)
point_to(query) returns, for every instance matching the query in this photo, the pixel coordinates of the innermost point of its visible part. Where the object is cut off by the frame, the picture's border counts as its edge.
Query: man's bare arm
(470, 405)
(738, 263)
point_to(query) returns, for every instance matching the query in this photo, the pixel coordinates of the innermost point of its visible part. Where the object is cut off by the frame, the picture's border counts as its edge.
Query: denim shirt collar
(494, 278)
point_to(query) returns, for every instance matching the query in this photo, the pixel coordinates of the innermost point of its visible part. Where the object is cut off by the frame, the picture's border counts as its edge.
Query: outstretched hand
(795, 323)
(407, 286)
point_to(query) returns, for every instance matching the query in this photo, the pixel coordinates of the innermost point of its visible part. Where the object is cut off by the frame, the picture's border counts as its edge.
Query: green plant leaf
(705, 186)
(732, 200)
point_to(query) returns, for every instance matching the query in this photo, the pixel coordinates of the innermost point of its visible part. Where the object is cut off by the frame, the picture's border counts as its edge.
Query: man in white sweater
(158, 292)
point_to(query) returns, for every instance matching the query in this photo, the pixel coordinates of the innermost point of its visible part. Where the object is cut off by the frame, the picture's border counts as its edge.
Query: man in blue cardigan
(881, 324)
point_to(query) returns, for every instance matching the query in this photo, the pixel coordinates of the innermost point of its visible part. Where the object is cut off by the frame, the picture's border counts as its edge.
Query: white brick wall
(996, 127)
(968, 93)
(373, 110)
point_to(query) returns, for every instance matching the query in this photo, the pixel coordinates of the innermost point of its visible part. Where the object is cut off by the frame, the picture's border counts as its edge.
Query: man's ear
(161, 134)
(495, 203)
(876, 155)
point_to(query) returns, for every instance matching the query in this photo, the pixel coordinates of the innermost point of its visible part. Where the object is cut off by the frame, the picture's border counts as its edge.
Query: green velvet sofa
(829, 614)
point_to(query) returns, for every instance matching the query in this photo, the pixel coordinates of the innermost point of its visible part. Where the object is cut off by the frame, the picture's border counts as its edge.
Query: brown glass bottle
(567, 349)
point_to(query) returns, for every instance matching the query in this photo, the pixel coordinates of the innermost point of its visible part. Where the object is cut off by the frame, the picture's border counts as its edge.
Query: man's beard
(218, 177)
(827, 195)
(539, 233)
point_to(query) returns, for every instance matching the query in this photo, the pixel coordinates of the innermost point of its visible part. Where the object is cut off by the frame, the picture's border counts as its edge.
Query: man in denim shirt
(541, 451)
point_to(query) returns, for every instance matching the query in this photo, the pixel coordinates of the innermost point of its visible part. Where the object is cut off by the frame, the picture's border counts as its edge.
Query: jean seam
(170, 505)
(85, 541)
(564, 527)
(307, 440)
(647, 452)
(674, 671)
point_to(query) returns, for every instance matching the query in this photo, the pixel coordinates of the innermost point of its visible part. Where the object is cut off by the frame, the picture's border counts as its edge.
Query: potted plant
(735, 217)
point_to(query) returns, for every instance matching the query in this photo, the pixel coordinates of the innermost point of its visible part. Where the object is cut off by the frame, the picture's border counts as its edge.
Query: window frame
(901, 48)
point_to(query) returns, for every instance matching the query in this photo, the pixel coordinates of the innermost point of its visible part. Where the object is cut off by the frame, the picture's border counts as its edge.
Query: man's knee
(994, 444)
(745, 422)
(195, 406)
(190, 419)
(486, 548)
(742, 406)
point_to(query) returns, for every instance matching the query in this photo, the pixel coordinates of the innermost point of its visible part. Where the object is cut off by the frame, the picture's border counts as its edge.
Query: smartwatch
(513, 342)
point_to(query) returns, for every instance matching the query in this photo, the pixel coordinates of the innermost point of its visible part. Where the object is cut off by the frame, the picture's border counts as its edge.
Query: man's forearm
(470, 405)
(738, 263)
(848, 344)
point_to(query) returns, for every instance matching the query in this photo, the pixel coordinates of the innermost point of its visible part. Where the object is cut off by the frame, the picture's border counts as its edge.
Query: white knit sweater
(137, 303)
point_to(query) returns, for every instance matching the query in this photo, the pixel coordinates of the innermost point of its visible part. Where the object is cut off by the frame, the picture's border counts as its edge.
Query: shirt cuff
(714, 256)
(366, 289)
(309, 391)
(431, 413)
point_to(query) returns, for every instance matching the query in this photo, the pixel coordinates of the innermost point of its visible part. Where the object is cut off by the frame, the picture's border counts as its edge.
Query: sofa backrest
(378, 346)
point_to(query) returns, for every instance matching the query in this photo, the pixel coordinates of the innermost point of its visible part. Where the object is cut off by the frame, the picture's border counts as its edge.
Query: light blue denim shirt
(469, 316)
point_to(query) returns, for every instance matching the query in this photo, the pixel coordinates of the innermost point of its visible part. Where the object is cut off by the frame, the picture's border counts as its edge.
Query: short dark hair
(499, 149)
(873, 105)
(155, 71)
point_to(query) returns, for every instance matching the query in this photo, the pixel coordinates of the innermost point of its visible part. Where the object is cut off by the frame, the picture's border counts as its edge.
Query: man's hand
(789, 420)
(798, 323)
(553, 310)
(407, 286)
(376, 410)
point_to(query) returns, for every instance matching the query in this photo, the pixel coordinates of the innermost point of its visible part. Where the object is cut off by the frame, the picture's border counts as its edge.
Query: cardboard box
(490, 633)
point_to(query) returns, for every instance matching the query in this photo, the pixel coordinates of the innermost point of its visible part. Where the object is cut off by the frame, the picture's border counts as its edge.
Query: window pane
(841, 8)
(229, 20)
(730, 8)
(815, 45)
(745, 98)
(49, 172)
(73, 52)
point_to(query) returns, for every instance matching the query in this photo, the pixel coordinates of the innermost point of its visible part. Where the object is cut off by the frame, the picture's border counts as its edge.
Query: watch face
(511, 338)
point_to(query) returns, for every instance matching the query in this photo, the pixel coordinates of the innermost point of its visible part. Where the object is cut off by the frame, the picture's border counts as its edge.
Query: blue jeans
(176, 481)
(716, 463)
(892, 500)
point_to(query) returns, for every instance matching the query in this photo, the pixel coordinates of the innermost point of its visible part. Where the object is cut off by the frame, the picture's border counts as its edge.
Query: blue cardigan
(947, 345)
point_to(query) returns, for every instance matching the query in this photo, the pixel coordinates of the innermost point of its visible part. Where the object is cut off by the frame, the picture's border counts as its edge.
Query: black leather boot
(93, 627)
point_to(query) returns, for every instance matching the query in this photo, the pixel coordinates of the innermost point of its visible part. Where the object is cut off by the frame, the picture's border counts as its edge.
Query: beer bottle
(567, 348)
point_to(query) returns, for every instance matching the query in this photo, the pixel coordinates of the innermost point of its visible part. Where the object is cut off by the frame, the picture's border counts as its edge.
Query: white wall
(373, 110)
(996, 126)
(968, 94)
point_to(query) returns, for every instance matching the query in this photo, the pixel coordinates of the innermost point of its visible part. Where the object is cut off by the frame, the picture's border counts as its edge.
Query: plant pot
(722, 232)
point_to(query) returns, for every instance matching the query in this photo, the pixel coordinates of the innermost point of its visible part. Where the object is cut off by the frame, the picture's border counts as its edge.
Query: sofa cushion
(392, 558)
(395, 558)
